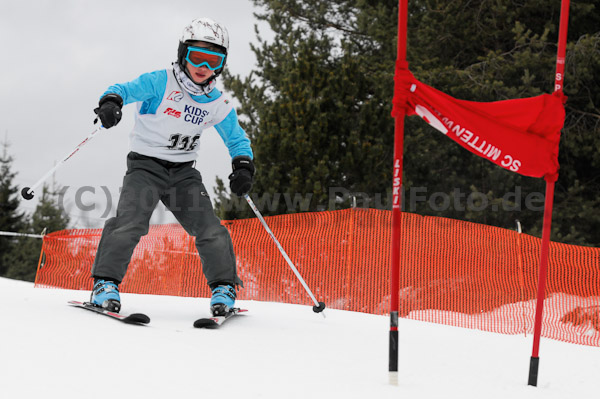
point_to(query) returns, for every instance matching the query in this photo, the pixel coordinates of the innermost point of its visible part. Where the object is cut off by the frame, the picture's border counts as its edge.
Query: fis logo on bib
(173, 112)
(175, 96)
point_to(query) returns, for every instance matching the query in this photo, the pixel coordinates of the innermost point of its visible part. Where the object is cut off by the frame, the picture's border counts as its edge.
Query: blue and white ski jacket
(169, 121)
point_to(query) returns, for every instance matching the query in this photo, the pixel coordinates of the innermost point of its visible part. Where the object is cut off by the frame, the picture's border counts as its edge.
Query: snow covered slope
(51, 350)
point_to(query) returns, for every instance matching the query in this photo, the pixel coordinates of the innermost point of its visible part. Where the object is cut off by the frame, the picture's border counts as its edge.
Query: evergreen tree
(496, 51)
(317, 107)
(11, 220)
(24, 256)
(314, 111)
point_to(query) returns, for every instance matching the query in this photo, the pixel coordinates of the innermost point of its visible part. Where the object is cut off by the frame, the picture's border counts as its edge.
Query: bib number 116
(183, 143)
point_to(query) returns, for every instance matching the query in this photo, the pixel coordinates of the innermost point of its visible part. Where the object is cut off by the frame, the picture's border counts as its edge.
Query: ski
(217, 321)
(134, 318)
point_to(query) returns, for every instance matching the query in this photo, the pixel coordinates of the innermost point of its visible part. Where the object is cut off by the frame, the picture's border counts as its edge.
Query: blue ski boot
(223, 299)
(106, 295)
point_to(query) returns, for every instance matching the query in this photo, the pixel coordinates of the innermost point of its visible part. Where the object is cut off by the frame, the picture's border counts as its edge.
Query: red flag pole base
(534, 366)
(393, 369)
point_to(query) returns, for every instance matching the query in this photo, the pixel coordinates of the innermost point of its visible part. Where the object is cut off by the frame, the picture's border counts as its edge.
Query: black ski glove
(240, 181)
(109, 110)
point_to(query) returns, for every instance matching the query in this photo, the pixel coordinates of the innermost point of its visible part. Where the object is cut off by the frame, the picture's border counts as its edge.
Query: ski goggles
(199, 56)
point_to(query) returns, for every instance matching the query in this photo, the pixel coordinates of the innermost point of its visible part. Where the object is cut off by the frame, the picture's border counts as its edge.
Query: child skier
(174, 106)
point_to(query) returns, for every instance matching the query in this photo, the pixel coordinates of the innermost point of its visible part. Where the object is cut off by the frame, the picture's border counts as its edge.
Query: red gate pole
(535, 359)
(396, 199)
(544, 252)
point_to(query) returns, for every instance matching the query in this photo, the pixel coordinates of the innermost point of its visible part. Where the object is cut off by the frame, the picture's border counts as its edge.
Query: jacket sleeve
(148, 88)
(234, 137)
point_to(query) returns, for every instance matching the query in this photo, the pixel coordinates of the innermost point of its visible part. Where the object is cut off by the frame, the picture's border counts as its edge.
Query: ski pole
(319, 306)
(27, 192)
(11, 234)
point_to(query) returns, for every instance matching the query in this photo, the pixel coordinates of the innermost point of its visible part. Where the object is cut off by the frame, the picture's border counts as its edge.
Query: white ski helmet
(206, 30)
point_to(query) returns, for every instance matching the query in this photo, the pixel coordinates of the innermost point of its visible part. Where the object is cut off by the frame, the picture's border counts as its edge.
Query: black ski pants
(179, 186)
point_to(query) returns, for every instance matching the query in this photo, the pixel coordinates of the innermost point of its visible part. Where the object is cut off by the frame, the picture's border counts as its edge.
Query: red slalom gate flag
(520, 135)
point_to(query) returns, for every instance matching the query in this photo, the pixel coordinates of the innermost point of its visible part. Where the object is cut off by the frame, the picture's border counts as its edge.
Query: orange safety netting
(452, 272)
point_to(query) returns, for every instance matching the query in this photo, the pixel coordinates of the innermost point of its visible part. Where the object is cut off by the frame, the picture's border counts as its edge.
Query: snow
(52, 350)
